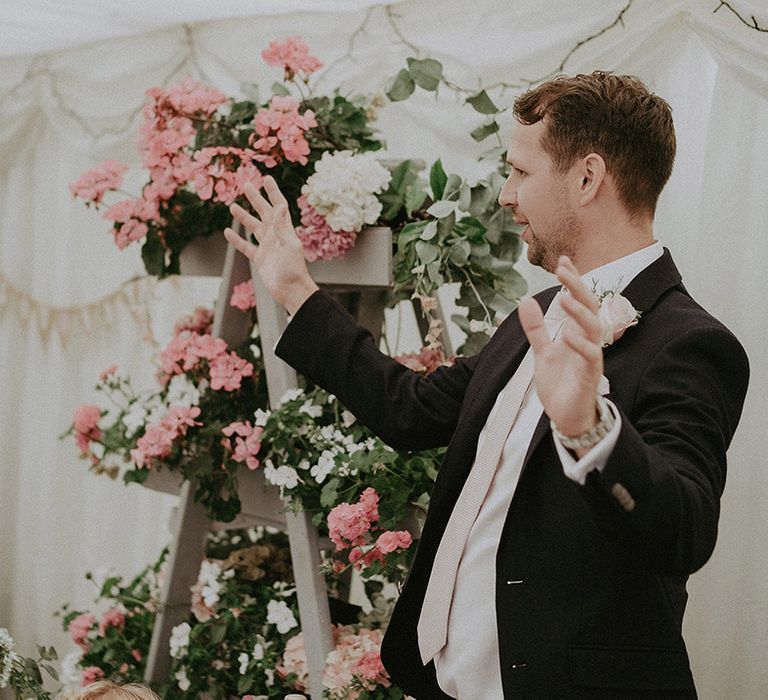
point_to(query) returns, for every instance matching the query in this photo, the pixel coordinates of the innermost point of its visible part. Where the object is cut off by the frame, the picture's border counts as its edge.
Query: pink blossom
(132, 230)
(247, 442)
(136, 654)
(295, 662)
(114, 617)
(228, 371)
(293, 56)
(319, 240)
(426, 360)
(107, 373)
(393, 539)
(371, 668)
(220, 173)
(348, 523)
(200, 321)
(91, 674)
(86, 425)
(355, 661)
(243, 297)
(79, 627)
(158, 438)
(93, 184)
(279, 132)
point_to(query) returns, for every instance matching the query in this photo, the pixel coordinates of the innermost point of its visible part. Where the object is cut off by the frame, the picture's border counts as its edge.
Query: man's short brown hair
(615, 116)
(108, 690)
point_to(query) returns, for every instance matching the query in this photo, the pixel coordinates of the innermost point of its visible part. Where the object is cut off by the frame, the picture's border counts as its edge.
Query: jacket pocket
(631, 668)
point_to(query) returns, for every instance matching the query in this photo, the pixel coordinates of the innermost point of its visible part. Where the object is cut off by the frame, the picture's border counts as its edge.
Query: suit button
(518, 666)
(515, 582)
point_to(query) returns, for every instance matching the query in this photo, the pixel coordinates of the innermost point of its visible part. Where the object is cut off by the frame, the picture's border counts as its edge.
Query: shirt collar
(617, 274)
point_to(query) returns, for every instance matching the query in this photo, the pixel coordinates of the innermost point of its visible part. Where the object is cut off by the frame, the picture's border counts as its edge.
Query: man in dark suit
(582, 480)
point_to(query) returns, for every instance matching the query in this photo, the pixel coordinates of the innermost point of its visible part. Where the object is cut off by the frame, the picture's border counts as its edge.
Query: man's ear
(592, 173)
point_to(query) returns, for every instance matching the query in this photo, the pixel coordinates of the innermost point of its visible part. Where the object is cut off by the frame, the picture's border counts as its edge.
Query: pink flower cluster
(132, 216)
(86, 425)
(93, 184)
(189, 352)
(353, 666)
(279, 131)
(349, 523)
(199, 321)
(247, 442)
(293, 56)
(243, 297)
(91, 674)
(157, 441)
(114, 617)
(79, 627)
(221, 172)
(426, 360)
(319, 240)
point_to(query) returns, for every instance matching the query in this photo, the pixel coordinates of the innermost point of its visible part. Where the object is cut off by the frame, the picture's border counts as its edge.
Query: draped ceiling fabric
(72, 78)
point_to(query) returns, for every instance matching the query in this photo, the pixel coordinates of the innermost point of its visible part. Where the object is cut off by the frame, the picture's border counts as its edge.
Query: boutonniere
(616, 314)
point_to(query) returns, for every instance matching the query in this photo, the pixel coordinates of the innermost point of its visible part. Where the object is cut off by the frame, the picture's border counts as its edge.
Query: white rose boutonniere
(616, 314)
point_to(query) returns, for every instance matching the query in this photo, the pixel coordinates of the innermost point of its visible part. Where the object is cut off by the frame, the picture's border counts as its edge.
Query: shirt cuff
(596, 458)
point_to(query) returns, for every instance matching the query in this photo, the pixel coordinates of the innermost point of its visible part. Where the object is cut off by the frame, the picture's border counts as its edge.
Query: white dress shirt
(468, 665)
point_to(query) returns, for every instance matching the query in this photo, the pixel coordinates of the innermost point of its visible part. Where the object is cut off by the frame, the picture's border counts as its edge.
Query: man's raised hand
(568, 369)
(279, 257)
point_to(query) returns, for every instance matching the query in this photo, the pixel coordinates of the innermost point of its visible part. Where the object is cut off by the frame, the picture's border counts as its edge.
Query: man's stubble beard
(563, 240)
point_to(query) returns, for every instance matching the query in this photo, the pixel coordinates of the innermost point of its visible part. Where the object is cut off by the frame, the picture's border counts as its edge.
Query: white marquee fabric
(72, 78)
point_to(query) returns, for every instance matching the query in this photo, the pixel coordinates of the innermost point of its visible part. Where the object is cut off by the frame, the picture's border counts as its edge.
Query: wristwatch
(593, 435)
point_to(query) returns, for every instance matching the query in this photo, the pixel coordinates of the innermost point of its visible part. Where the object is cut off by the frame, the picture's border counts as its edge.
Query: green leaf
(452, 187)
(465, 196)
(50, 670)
(244, 684)
(426, 252)
(484, 131)
(414, 197)
(459, 253)
(402, 86)
(251, 91)
(410, 232)
(136, 476)
(482, 103)
(426, 73)
(153, 254)
(330, 493)
(442, 209)
(437, 180)
(218, 632)
(430, 231)
(280, 89)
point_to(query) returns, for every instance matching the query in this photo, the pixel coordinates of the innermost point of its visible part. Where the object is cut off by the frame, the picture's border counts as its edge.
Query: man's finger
(583, 316)
(276, 197)
(250, 222)
(245, 247)
(568, 275)
(532, 320)
(254, 196)
(590, 351)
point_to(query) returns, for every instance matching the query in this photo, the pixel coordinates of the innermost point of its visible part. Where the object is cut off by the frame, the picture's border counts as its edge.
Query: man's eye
(517, 171)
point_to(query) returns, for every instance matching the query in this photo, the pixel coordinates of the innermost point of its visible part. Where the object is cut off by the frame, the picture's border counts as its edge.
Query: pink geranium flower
(228, 371)
(91, 674)
(392, 540)
(86, 425)
(114, 617)
(200, 321)
(79, 627)
(279, 132)
(93, 184)
(349, 523)
(247, 442)
(243, 297)
(293, 56)
(426, 360)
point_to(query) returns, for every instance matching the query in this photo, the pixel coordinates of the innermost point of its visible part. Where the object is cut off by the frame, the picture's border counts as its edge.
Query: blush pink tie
(433, 621)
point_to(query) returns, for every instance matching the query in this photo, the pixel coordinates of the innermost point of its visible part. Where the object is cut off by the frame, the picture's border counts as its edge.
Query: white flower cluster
(337, 448)
(179, 641)
(70, 674)
(343, 189)
(279, 614)
(208, 580)
(182, 392)
(7, 657)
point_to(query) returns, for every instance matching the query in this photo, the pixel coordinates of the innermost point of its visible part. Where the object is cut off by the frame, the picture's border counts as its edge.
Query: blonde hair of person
(108, 690)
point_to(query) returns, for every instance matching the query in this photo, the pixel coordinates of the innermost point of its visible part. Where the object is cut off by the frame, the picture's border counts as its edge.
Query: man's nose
(508, 195)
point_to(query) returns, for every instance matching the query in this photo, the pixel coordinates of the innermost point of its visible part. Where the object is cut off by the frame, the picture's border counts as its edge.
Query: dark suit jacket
(604, 565)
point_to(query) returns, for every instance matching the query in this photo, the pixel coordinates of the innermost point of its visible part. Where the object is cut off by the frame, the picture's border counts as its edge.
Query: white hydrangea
(280, 615)
(182, 392)
(69, 674)
(343, 189)
(180, 640)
